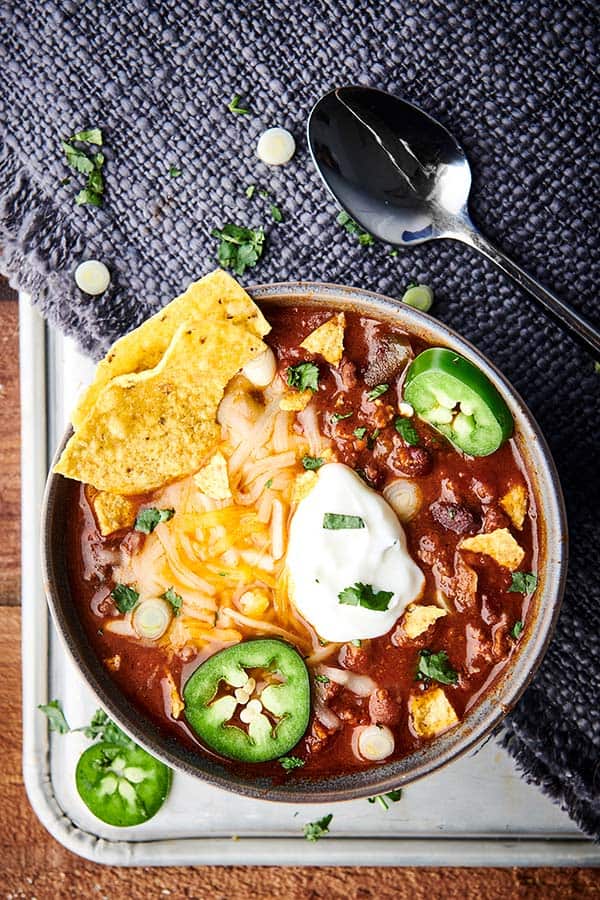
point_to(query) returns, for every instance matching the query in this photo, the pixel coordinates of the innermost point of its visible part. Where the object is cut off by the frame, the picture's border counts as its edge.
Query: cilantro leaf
(240, 248)
(360, 432)
(377, 391)
(339, 417)
(103, 728)
(360, 594)
(406, 430)
(315, 830)
(77, 159)
(290, 762)
(125, 597)
(250, 191)
(372, 438)
(89, 136)
(322, 679)
(175, 599)
(338, 521)
(89, 197)
(303, 376)
(523, 583)
(269, 483)
(147, 519)
(382, 799)
(174, 172)
(352, 227)
(234, 106)
(517, 630)
(436, 666)
(56, 717)
(276, 213)
(312, 462)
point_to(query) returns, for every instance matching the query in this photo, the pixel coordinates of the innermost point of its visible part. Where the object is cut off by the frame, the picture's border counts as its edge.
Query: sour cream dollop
(323, 562)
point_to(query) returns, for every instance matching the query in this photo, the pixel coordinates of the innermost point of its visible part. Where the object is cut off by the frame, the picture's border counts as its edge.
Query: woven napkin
(515, 83)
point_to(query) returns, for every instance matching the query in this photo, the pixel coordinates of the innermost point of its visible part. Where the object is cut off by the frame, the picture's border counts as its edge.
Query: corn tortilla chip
(216, 297)
(327, 339)
(113, 512)
(295, 401)
(418, 619)
(213, 478)
(499, 544)
(514, 504)
(160, 424)
(303, 485)
(431, 712)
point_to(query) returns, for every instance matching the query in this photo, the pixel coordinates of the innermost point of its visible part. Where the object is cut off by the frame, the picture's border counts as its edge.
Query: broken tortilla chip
(150, 428)
(113, 512)
(418, 619)
(499, 544)
(431, 712)
(303, 485)
(295, 401)
(328, 339)
(514, 504)
(216, 297)
(213, 479)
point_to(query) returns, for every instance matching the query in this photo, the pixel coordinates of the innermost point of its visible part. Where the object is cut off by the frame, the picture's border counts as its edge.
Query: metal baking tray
(478, 811)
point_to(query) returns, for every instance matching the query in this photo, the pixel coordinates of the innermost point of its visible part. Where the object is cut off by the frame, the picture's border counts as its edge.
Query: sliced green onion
(151, 618)
(419, 297)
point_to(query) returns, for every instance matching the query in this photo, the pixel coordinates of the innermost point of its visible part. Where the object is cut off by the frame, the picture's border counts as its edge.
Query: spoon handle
(583, 332)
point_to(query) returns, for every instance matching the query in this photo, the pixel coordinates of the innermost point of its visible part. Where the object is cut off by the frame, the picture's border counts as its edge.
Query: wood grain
(34, 865)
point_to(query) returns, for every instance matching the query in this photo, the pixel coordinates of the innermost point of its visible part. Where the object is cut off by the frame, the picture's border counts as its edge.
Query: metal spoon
(404, 178)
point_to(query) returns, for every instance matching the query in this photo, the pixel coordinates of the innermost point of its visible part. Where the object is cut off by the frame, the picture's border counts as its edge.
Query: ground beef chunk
(383, 709)
(411, 461)
(494, 517)
(354, 658)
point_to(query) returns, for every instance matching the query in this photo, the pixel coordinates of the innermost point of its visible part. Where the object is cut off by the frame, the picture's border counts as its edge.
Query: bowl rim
(486, 714)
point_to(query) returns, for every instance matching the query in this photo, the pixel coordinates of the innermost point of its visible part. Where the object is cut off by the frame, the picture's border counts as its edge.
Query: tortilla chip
(175, 701)
(499, 544)
(303, 485)
(213, 479)
(216, 297)
(431, 712)
(295, 401)
(153, 427)
(328, 339)
(418, 619)
(113, 512)
(514, 504)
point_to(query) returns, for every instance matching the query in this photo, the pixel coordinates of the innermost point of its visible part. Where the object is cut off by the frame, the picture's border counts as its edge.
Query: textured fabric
(515, 83)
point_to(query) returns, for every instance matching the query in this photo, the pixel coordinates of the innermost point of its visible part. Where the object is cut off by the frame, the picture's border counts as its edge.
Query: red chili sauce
(476, 636)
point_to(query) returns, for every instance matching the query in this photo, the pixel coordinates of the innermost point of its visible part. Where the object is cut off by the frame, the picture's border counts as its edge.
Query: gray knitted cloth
(513, 80)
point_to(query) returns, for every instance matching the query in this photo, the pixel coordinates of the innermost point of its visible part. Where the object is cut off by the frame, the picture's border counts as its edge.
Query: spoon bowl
(405, 179)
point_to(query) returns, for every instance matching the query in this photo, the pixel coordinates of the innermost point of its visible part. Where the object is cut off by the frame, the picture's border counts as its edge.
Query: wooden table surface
(34, 865)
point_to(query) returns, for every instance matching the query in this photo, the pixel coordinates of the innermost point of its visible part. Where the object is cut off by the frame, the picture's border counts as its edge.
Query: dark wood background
(34, 865)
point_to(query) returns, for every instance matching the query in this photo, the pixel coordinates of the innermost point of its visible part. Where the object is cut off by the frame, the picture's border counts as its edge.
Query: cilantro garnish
(517, 630)
(312, 462)
(276, 213)
(148, 519)
(322, 679)
(125, 597)
(315, 830)
(89, 136)
(406, 430)
(338, 521)
(303, 376)
(102, 727)
(269, 483)
(175, 599)
(356, 642)
(360, 594)
(91, 166)
(377, 391)
(234, 106)
(352, 227)
(523, 583)
(372, 438)
(436, 666)
(290, 762)
(56, 717)
(174, 172)
(240, 248)
(382, 799)
(250, 191)
(360, 432)
(339, 417)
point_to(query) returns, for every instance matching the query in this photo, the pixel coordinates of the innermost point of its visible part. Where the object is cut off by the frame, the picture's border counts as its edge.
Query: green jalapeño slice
(250, 702)
(454, 396)
(121, 784)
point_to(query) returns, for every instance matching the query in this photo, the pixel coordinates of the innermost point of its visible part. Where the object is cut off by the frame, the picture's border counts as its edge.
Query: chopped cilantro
(360, 594)
(303, 376)
(523, 583)
(79, 160)
(597, 367)
(56, 717)
(175, 599)
(393, 252)
(276, 213)
(436, 667)
(322, 679)
(312, 462)
(89, 136)
(290, 762)
(338, 521)
(269, 483)
(240, 248)
(377, 391)
(406, 430)
(372, 438)
(517, 630)
(148, 519)
(352, 227)
(234, 106)
(360, 432)
(339, 417)
(103, 728)
(356, 642)
(125, 597)
(88, 197)
(382, 799)
(250, 191)
(315, 830)
(174, 172)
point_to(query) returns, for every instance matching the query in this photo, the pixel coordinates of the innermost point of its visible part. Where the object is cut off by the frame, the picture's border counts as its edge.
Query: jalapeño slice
(454, 396)
(121, 784)
(250, 702)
